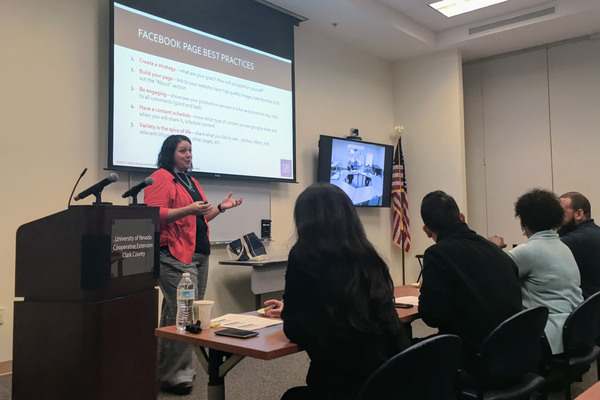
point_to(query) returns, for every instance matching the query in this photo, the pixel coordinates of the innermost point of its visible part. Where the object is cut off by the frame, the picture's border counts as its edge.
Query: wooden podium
(85, 328)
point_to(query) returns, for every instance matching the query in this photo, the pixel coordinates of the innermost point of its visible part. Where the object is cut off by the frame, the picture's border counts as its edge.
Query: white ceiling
(399, 29)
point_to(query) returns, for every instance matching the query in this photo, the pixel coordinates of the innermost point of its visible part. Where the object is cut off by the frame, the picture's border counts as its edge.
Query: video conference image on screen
(357, 168)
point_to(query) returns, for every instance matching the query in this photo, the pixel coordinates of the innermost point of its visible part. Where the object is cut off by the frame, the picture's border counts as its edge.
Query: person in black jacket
(581, 234)
(339, 297)
(469, 284)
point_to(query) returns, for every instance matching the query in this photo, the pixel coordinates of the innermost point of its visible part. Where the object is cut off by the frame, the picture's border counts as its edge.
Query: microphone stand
(98, 201)
(134, 201)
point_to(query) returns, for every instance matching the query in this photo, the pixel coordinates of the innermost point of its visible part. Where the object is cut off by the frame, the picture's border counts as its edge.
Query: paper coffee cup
(202, 310)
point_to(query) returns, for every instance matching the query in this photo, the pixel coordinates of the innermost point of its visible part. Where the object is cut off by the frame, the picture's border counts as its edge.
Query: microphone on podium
(138, 188)
(97, 188)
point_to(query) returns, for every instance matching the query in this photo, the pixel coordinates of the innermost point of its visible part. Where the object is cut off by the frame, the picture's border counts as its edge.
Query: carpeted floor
(251, 379)
(254, 379)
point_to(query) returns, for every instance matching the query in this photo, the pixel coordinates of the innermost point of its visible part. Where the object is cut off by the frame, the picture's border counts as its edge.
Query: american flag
(401, 223)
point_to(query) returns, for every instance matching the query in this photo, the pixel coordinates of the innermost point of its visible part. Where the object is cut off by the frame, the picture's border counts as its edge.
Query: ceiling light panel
(450, 8)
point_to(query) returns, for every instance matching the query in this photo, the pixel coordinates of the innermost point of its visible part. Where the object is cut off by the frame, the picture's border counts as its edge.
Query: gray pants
(175, 358)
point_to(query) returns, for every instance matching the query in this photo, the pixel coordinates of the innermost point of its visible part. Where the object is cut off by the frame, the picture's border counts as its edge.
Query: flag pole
(400, 203)
(403, 269)
(402, 231)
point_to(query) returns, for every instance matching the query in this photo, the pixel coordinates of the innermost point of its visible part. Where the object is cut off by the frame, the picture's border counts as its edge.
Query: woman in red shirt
(184, 247)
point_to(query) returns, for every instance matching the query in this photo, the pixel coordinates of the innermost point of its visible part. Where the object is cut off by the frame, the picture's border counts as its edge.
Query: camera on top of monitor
(353, 134)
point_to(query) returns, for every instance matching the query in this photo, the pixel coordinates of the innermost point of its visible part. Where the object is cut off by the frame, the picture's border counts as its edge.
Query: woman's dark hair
(324, 211)
(165, 156)
(539, 210)
(334, 249)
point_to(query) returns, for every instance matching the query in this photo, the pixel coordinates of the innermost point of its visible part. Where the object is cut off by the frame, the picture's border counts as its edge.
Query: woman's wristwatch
(220, 208)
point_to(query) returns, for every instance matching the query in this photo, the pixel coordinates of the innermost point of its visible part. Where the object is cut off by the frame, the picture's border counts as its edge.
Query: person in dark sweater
(339, 298)
(581, 234)
(470, 285)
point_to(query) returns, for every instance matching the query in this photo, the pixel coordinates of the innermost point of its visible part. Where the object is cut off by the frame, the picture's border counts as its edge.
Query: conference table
(592, 393)
(219, 354)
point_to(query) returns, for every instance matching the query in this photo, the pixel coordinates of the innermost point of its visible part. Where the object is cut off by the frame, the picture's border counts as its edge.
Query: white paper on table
(247, 322)
(414, 300)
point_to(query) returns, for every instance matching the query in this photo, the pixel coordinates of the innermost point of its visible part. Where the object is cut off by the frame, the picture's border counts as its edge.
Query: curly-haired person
(547, 269)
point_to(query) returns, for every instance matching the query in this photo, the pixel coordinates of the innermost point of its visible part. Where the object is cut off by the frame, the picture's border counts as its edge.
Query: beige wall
(53, 108)
(531, 122)
(428, 103)
(337, 88)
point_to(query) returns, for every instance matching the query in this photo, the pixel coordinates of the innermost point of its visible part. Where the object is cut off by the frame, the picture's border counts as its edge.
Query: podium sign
(132, 244)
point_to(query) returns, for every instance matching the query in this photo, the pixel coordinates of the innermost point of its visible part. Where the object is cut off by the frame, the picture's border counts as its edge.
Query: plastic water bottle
(186, 294)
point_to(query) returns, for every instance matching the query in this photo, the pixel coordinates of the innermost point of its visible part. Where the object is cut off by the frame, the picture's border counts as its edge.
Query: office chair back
(580, 335)
(582, 327)
(514, 347)
(424, 371)
(509, 359)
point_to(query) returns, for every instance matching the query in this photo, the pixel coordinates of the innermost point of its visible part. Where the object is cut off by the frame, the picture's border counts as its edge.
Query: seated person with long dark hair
(339, 297)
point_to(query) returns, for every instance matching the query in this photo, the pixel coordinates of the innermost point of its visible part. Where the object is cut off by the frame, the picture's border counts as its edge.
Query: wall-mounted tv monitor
(363, 170)
(217, 71)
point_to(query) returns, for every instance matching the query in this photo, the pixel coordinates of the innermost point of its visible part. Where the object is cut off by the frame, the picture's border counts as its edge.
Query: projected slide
(235, 103)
